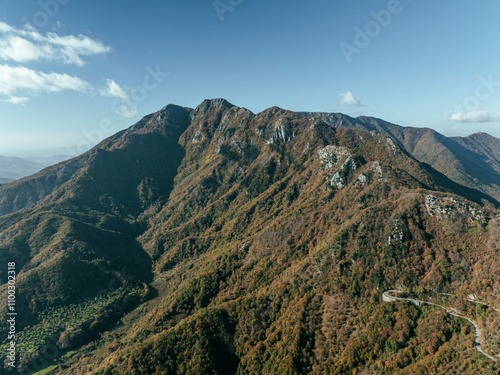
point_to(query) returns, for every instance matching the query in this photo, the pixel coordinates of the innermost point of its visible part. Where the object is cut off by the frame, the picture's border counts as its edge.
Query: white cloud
(475, 116)
(348, 99)
(15, 80)
(24, 45)
(126, 112)
(114, 90)
(17, 99)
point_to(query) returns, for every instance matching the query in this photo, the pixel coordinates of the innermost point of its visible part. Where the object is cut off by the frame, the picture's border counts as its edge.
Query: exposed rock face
(337, 181)
(446, 206)
(339, 160)
(331, 156)
(473, 161)
(362, 179)
(268, 235)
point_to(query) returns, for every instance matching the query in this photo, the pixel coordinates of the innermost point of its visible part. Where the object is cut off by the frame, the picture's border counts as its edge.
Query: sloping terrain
(473, 161)
(242, 243)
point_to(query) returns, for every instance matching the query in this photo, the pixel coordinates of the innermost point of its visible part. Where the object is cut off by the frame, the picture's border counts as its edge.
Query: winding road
(387, 297)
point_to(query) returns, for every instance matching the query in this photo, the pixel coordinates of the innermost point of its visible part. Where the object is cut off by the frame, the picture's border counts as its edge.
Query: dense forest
(218, 241)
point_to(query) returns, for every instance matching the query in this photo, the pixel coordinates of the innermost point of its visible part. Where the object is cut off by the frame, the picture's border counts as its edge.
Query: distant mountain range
(218, 241)
(12, 168)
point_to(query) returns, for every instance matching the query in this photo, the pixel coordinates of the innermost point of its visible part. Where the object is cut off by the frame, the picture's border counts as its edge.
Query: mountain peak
(211, 110)
(217, 103)
(171, 119)
(481, 135)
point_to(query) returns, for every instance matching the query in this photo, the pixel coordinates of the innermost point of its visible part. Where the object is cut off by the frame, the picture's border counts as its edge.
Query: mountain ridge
(456, 157)
(269, 235)
(425, 144)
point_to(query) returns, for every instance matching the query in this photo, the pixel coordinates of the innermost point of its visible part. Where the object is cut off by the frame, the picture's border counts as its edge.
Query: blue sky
(74, 71)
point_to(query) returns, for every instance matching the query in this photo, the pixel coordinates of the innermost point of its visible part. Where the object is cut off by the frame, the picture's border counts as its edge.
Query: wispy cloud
(17, 99)
(124, 111)
(25, 81)
(475, 116)
(27, 44)
(113, 90)
(348, 99)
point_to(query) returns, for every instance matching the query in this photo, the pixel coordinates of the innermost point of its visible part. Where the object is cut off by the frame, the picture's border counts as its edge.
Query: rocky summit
(219, 241)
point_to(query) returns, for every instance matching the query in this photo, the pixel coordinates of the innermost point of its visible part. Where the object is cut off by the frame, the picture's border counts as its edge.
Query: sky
(75, 71)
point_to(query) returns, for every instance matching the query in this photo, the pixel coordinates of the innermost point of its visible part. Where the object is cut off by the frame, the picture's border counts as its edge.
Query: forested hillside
(242, 243)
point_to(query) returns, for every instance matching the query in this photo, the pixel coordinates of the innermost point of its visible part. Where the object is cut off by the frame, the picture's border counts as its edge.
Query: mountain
(218, 241)
(12, 168)
(473, 161)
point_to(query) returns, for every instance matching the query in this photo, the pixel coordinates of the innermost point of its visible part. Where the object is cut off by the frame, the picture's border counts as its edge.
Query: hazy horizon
(92, 137)
(73, 68)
